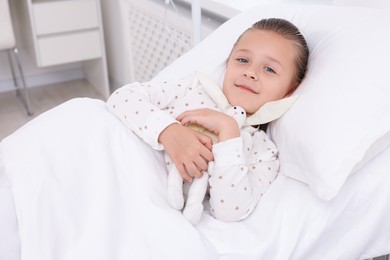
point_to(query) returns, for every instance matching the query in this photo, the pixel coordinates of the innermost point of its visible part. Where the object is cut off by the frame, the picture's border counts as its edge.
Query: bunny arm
(271, 111)
(175, 187)
(194, 204)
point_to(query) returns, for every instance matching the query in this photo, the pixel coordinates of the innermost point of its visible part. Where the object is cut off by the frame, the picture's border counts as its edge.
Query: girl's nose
(250, 74)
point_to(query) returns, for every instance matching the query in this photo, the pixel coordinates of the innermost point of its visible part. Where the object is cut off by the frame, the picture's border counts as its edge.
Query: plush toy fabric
(237, 112)
(197, 189)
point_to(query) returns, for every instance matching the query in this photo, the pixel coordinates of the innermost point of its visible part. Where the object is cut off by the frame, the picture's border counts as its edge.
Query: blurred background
(87, 48)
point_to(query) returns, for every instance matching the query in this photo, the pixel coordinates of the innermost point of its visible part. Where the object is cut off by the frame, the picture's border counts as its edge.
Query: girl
(267, 63)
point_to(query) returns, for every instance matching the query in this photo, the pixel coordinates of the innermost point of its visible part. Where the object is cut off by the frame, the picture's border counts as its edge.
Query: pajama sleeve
(242, 171)
(144, 107)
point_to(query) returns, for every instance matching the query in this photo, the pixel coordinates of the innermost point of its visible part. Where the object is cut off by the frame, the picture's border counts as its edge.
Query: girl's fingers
(193, 171)
(183, 172)
(207, 142)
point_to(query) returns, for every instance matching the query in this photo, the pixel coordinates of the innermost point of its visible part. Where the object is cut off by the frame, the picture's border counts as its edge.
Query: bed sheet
(84, 190)
(292, 223)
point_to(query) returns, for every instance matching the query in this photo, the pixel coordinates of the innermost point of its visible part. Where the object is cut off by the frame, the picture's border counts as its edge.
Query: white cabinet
(66, 31)
(65, 16)
(68, 48)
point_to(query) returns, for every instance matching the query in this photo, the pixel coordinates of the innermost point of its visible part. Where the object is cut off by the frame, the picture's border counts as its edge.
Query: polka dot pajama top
(243, 167)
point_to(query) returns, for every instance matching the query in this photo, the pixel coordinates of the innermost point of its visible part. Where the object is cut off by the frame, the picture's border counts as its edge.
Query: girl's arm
(136, 106)
(244, 166)
(142, 108)
(243, 170)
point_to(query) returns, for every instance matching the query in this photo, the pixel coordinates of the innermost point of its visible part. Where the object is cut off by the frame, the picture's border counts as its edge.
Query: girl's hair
(289, 31)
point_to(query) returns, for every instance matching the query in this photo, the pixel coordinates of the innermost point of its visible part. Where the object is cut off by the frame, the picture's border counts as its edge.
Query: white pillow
(342, 116)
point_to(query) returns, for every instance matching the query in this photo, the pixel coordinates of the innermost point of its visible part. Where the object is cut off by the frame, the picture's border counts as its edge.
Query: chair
(8, 44)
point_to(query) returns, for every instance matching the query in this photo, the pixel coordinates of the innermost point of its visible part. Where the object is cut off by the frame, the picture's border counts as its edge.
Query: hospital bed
(81, 188)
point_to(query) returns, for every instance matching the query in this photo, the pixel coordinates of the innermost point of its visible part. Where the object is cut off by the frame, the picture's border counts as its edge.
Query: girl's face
(260, 69)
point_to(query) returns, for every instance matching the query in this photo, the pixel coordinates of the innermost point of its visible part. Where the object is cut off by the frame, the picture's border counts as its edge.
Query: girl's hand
(190, 151)
(219, 123)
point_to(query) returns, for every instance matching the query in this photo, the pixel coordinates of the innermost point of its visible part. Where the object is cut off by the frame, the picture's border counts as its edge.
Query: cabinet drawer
(64, 16)
(66, 48)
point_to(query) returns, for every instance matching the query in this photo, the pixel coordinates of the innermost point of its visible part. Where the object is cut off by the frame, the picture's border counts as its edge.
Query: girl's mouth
(246, 89)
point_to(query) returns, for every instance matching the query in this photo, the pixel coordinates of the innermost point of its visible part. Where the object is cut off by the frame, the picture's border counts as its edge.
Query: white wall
(116, 38)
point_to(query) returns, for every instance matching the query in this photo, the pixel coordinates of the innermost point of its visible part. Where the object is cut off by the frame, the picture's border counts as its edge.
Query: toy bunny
(196, 190)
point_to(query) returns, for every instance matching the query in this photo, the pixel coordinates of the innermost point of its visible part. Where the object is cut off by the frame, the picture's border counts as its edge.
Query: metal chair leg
(21, 92)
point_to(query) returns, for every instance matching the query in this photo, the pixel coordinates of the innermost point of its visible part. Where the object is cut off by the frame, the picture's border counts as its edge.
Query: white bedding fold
(84, 188)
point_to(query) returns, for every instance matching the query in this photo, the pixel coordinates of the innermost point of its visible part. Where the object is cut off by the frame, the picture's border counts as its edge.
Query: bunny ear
(271, 111)
(213, 90)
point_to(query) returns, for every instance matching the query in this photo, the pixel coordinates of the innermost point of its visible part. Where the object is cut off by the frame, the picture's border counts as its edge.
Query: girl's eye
(243, 60)
(270, 70)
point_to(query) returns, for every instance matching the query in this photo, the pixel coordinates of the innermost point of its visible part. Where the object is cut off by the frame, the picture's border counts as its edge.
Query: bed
(74, 183)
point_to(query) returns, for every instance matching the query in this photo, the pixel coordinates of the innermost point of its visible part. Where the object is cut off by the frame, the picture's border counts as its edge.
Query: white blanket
(86, 187)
